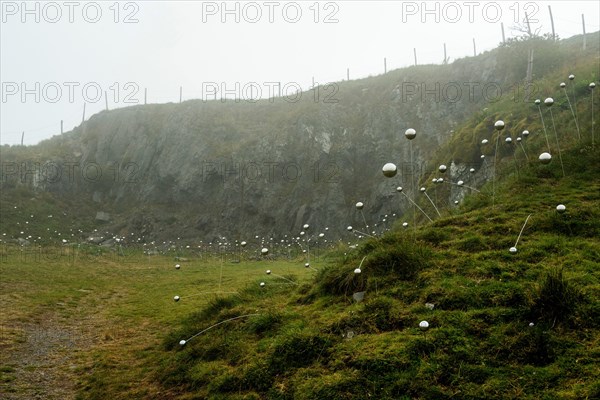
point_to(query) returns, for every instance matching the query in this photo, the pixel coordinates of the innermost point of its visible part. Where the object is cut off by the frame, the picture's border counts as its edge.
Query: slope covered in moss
(501, 324)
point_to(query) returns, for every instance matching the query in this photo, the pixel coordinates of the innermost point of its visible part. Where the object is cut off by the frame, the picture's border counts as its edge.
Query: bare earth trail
(85, 330)
(50, 351)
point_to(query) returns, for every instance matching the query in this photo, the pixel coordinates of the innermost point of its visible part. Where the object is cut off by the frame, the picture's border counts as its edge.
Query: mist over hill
(207, 169)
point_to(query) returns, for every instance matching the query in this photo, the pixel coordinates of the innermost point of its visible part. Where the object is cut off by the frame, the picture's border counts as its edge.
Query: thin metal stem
(219, 323)
(557, 144)
(433, 204)
(545, 132)
(573, 112)
(520, 233)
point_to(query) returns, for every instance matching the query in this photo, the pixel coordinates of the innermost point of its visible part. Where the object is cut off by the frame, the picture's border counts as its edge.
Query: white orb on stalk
(359, 205)
(545, 158)
(389, 170)
(410, 134)
(424, 325)
(549, 101)
(357, 271)
(264, 251)
(176, 298)
(177, 266)
(561, 208)
(513, 250)
(182, 342)
(499, 125)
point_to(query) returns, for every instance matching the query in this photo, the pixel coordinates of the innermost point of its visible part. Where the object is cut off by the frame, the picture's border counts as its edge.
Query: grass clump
(556, 299)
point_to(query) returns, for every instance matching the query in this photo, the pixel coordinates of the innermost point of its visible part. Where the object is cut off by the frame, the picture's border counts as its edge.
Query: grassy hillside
(508, 325)
(501, 325)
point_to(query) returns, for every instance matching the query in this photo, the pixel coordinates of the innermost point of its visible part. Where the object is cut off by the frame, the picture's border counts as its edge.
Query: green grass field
(95, 325)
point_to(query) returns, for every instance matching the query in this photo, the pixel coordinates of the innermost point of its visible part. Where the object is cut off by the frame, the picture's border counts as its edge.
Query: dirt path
(47, 355)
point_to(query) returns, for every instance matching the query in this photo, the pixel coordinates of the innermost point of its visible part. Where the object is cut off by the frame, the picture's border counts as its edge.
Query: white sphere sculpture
(389, 170)
(545, 158)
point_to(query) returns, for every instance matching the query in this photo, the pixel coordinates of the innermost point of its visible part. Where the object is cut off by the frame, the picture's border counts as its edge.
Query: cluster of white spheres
(513, 250)
(561, 208)
(545, 158)
(359, 205)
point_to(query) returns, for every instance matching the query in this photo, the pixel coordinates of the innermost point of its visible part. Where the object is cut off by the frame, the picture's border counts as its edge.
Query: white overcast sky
(52, 50)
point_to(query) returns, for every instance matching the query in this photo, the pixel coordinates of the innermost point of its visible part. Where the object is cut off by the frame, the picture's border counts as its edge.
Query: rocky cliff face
(201, 169)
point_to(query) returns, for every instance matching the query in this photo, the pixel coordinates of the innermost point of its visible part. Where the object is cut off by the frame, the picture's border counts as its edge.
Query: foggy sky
(51, 51)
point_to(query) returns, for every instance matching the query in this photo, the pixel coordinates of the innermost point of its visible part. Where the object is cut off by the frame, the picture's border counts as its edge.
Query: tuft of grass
(556, 299)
